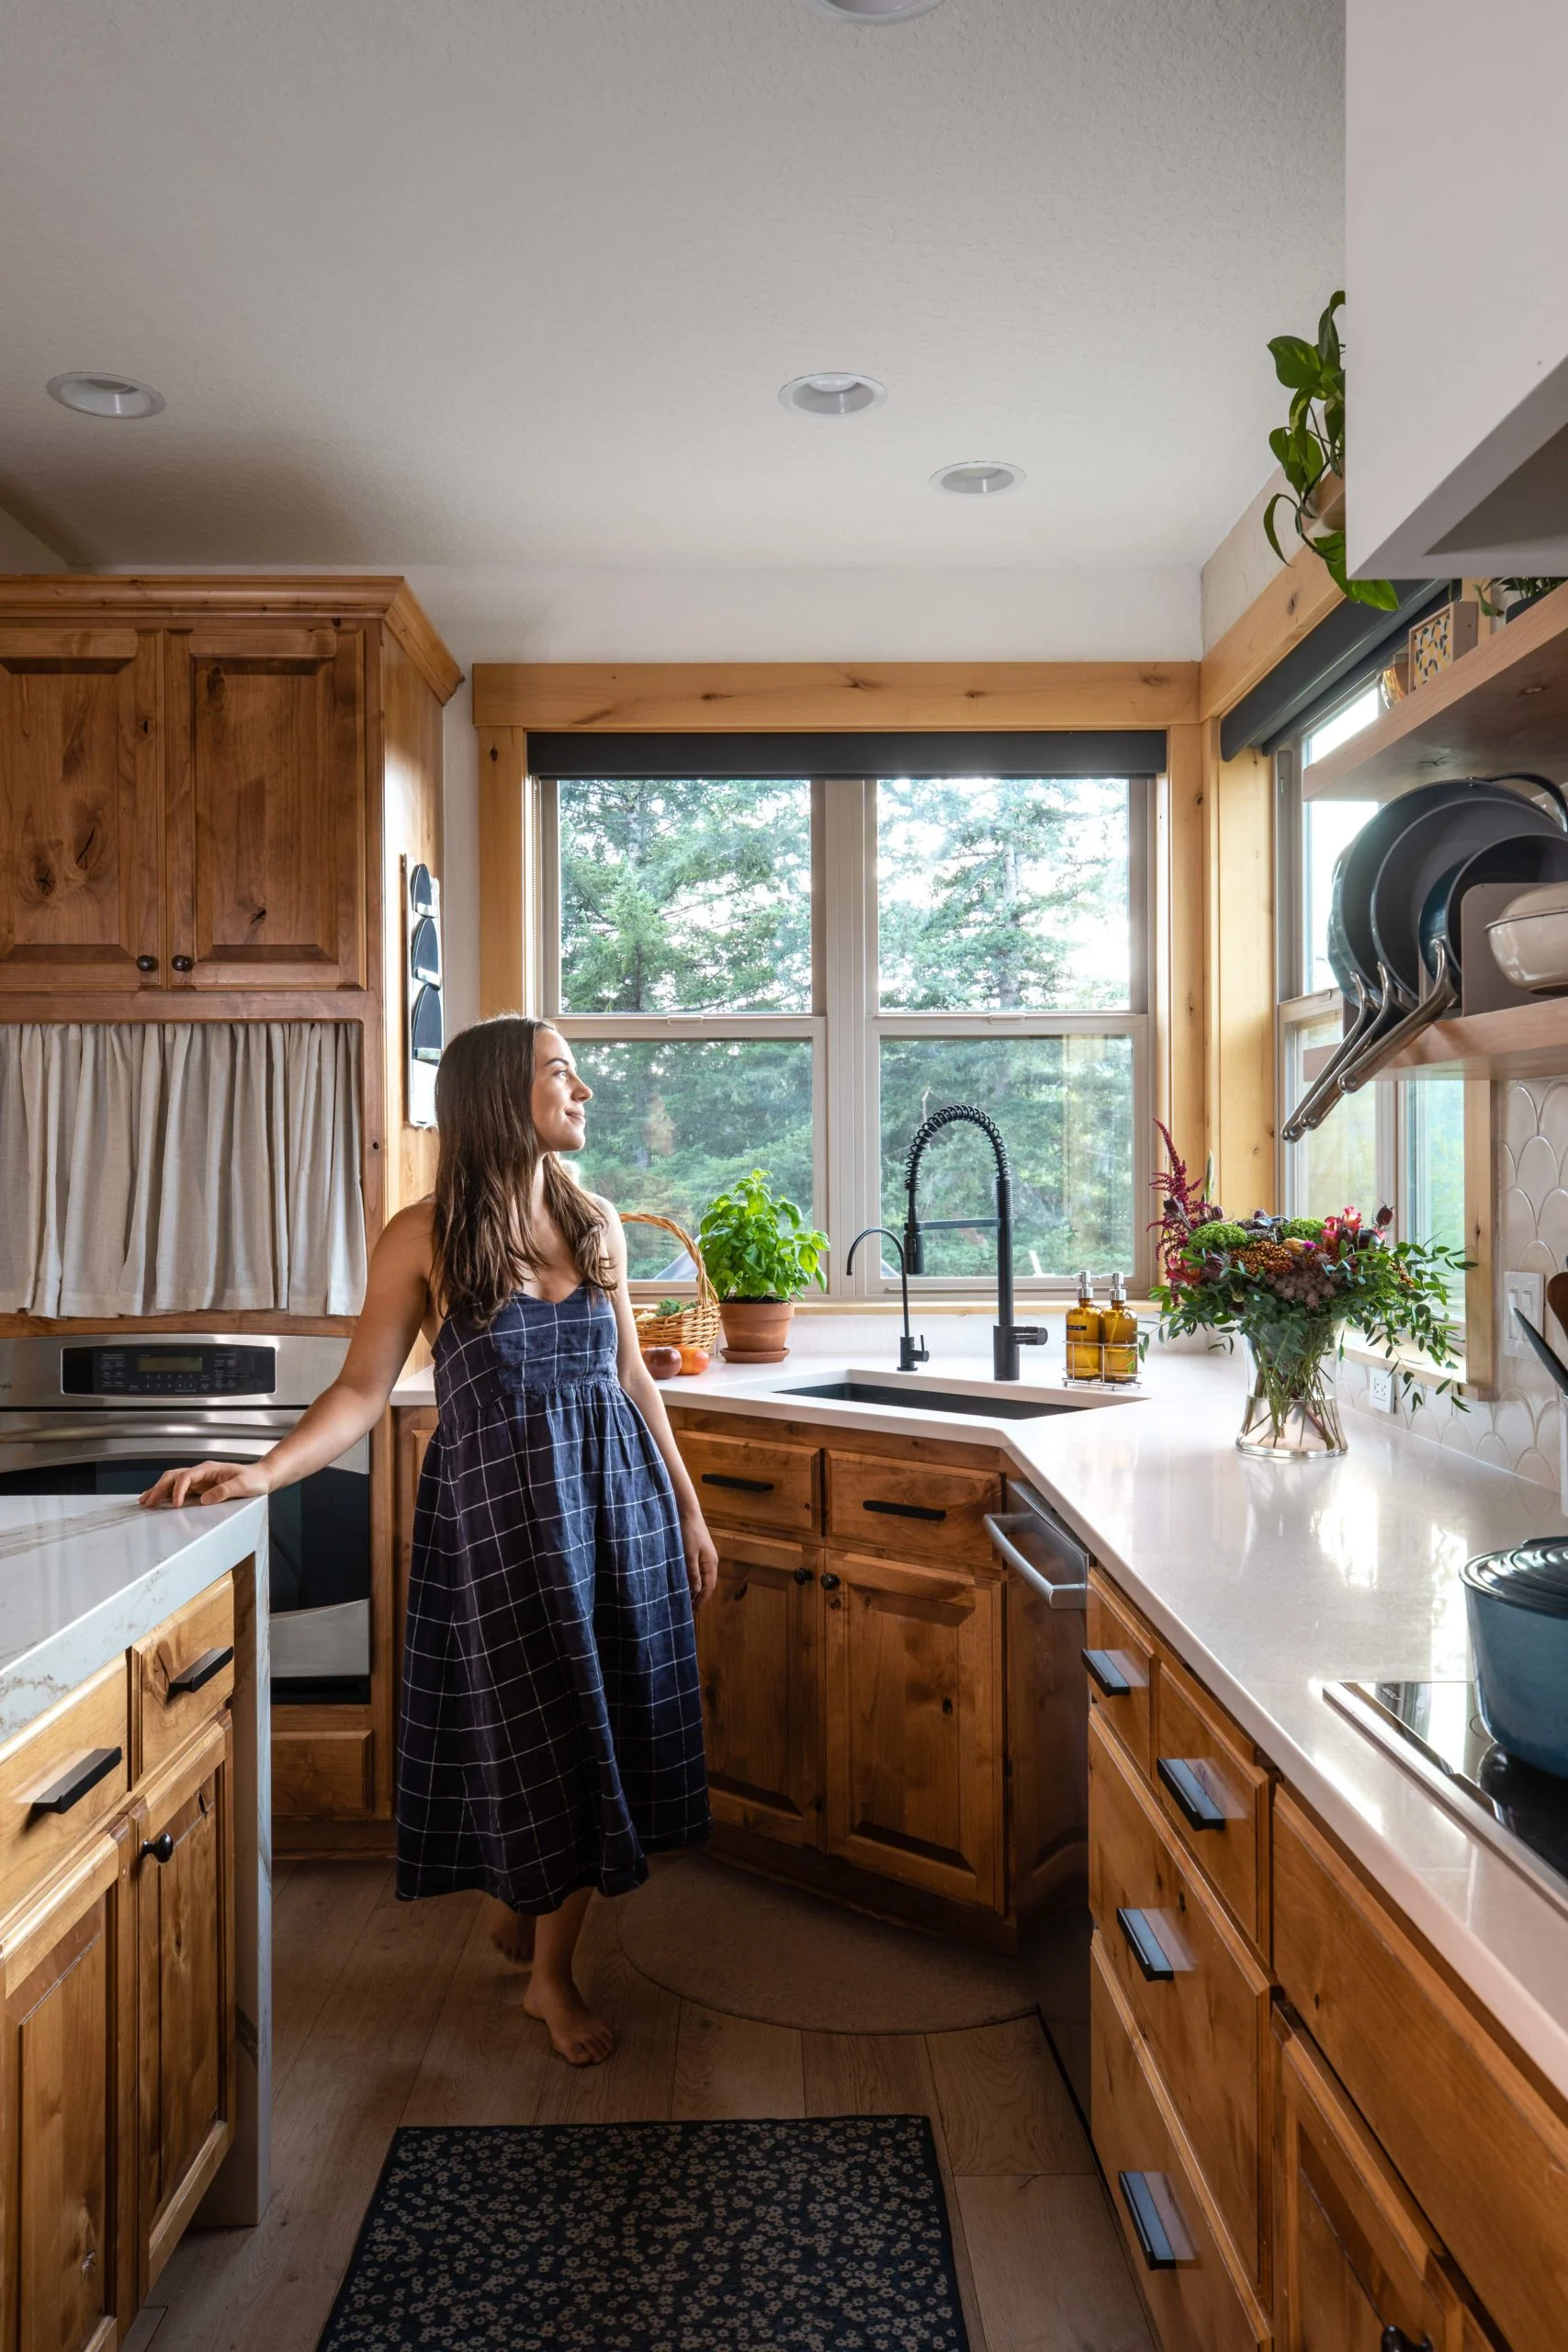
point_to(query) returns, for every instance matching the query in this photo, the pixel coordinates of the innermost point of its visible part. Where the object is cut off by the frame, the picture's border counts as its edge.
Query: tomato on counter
(664, 1363)
(692, 1360)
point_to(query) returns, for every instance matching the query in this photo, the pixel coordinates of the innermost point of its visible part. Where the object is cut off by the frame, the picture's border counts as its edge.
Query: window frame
(846, 1025)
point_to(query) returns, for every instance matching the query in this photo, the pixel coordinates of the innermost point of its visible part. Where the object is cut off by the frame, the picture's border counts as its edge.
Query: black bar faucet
(1007, 1336)
(909, 1354)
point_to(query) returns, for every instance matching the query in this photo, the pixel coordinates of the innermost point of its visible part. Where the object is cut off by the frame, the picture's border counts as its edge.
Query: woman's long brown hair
(485, 1245)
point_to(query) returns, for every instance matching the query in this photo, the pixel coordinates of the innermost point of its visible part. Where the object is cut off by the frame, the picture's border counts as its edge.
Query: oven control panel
(182, 1368)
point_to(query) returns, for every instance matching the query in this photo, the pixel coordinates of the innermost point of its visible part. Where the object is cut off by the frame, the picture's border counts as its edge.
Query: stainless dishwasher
(1047, 1705)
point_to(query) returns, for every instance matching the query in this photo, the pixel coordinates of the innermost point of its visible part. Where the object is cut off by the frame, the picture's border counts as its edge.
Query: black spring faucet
(1007, 1336)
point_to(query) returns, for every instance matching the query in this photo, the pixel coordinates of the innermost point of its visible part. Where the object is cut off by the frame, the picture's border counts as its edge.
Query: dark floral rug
(824, 2235)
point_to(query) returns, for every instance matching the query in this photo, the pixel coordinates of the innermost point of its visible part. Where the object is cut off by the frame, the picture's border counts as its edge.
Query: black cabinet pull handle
(802, 1575)
(161, 1848)
(1197, 1806)
(86, 1775)
(741, 1485)
(1153, 2239)
(200, 1671)
(183, 962)
(1145, 1946)
(1106, 1673)
(829, 1581)
(903, 1510)
(147, 963)
(1393, 2339)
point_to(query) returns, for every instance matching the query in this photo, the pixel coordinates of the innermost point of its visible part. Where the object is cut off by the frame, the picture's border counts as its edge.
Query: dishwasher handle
(1073, 1594)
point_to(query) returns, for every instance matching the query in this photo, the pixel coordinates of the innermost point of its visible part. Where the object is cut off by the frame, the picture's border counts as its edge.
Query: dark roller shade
(1352, 643)
(1065, 752)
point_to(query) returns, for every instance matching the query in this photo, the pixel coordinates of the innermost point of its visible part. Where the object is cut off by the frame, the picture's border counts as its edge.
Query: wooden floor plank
(636, 2084)
(270, 2288)
(1050, 2267)
(1005, 2108)
(318, 1915)
(486, 2060)
(735, 2066)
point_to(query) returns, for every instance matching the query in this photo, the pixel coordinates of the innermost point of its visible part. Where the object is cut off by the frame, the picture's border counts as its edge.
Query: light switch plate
(1379, 1388)
(1527, 1293)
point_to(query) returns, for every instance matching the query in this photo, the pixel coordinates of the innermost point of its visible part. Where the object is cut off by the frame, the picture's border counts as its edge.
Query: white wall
(1241, 566)
(22, 551)
(1455, 232)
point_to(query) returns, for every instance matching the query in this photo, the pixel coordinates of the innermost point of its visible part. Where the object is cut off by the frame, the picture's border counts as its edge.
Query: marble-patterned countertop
(1271, 1580)
(83, 1577)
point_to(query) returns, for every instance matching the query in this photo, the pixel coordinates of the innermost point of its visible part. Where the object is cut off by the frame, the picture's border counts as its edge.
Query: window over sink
(791, 972)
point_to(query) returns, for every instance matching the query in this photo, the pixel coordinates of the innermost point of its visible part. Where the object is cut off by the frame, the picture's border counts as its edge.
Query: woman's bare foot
(581, 2038)
(510, 1933)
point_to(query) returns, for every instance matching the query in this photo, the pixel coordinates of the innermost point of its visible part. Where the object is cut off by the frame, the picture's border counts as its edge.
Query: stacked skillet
(1393, 921)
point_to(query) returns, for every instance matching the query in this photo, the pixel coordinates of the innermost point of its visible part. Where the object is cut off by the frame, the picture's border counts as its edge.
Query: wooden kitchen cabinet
(758, 1654)
(81, 809)
(266, 784)
(913, 1662)
(1354, 2254)
(67, 2268)
(184, 1831)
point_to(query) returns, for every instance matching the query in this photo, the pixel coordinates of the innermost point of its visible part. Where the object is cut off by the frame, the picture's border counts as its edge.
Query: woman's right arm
(397, 1302)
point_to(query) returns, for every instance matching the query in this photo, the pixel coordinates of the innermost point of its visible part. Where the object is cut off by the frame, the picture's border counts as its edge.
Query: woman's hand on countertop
(207, 1482)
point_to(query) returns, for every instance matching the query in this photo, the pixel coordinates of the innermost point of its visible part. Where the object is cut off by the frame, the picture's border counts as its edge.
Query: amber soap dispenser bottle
(1119, 1335)
(1083, 1334)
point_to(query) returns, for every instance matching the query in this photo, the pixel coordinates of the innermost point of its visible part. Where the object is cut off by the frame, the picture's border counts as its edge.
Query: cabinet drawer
(324, 1775)
(923, 1510)
(183, 1674)
(741, 1483)
(1199, 2304)
(61, 1776)
(1483, 2155)
(1120, 1662)
(1205, 2023)
(1214, 1794)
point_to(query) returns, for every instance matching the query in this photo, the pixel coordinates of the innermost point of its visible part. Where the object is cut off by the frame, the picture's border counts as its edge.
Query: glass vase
(1292, 1405)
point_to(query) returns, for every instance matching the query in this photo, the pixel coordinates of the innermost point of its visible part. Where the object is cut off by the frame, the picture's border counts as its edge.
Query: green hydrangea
(1302, 1228)
(1223, 1235)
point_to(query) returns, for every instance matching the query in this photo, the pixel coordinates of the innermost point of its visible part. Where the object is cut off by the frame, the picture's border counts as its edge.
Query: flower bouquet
(1292, 1286)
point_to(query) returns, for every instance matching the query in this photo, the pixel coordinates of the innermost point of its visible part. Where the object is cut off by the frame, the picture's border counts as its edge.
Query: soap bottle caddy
(1103, 1342)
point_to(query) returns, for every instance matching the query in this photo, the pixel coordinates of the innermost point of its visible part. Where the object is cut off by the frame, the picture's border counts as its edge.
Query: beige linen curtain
(150, 1168)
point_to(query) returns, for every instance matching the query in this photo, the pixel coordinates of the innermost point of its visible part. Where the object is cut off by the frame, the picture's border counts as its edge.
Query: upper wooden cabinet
(81, 809)
(267, 807)
(207, 785)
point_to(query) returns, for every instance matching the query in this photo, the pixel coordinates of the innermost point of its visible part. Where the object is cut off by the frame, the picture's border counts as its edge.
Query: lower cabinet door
(759, 1651)
(1356, 2265)
(913, 1695)
(184, 1909)
(67, 2280)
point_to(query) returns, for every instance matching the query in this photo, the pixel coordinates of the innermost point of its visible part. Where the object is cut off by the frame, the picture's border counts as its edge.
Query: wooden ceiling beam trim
(634, 697)
(1300, 594)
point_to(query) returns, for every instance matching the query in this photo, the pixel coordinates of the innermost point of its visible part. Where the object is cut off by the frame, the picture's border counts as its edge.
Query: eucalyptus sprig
(1311, 448)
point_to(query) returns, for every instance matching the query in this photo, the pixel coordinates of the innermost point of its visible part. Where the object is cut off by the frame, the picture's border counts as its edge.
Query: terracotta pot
(756, 1330)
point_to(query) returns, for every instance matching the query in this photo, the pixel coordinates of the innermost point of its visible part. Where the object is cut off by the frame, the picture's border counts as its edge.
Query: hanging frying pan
(1523, 858)
(1381, 998)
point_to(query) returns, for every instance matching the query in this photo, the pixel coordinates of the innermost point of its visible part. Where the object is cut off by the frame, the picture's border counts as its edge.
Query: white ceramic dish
(1530, 939)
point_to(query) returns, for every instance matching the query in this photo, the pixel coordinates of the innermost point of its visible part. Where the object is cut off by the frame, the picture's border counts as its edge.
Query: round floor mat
(727, 1940)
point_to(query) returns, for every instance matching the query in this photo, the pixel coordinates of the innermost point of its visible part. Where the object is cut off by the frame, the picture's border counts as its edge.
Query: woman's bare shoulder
(411, 1233)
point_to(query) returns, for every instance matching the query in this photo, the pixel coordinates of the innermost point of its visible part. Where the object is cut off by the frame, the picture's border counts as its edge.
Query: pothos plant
(1309, 448)
(756, 1244)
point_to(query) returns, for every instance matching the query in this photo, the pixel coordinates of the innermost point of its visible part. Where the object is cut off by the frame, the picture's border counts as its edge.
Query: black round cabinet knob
(161, 1847)
(147, 963)
(183, 962)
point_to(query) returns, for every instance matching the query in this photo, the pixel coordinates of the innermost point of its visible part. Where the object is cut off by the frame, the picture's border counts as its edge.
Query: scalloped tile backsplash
(1519, 1429)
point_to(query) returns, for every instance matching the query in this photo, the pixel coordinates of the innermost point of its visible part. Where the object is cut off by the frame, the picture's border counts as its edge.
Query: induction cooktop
(1435, 1730)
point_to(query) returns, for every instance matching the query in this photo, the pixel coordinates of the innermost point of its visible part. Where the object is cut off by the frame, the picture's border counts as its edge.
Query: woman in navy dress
(551, 1735)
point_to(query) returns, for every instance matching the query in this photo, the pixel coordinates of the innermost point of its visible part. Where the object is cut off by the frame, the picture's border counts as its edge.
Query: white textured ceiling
(500, 282)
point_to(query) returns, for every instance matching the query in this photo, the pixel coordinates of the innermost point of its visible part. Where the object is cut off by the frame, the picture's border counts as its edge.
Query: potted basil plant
(759, 1254)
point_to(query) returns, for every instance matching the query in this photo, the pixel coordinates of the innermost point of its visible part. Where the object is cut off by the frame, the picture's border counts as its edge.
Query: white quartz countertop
(83, 1577)
(1271, 1580)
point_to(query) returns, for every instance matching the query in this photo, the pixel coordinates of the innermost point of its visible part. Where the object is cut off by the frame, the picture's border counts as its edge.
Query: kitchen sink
(928, 1400)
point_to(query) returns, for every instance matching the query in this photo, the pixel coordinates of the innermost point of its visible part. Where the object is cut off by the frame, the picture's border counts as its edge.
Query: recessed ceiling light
(873, 12)
(978, 477)
(98, 395)
(829, 395)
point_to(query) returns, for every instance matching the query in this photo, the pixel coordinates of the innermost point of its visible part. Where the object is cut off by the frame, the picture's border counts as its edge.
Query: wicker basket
(693, 1327)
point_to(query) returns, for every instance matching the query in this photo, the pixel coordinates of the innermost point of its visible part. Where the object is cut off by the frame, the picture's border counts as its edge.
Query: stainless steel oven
(107, 1413)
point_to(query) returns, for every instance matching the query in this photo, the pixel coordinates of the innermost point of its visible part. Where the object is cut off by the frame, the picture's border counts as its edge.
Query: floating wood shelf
(1520, 1041)
(1503, 706)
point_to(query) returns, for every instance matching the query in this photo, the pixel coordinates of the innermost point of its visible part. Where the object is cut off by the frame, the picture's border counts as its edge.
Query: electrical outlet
(1528, 1294)
(1379, 1388)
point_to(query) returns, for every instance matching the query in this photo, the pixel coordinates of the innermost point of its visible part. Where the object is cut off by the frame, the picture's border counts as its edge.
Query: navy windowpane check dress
(552, 1733)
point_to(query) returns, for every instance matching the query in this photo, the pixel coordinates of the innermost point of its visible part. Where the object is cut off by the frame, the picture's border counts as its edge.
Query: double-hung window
(791, 972)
